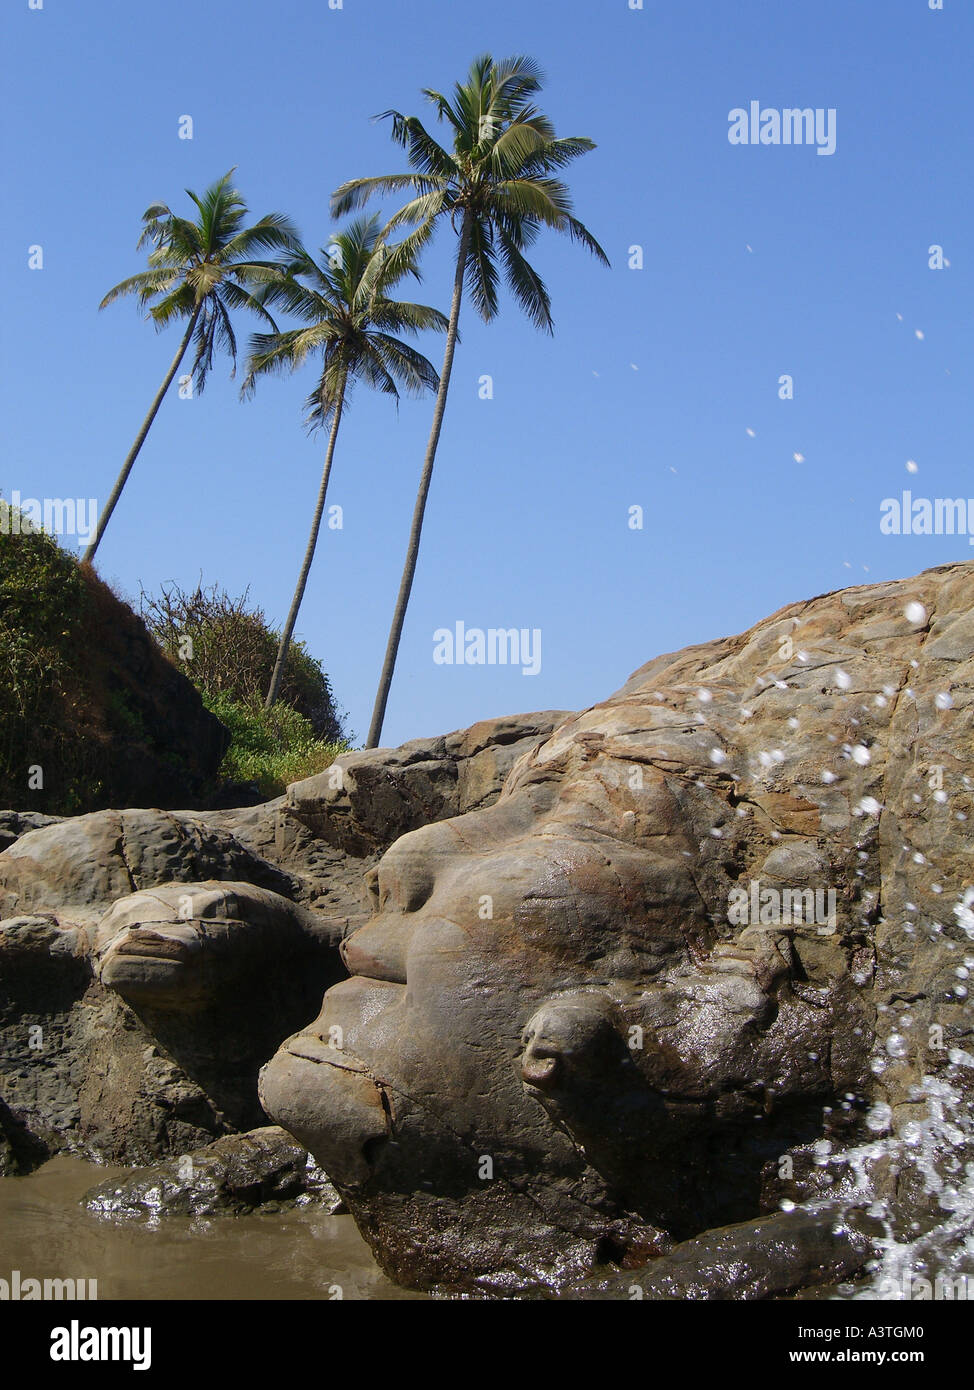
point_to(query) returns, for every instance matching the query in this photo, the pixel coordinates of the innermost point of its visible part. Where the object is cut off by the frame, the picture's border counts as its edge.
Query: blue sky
(758, 261)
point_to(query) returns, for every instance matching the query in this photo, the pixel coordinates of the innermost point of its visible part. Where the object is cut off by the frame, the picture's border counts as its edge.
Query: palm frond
(145, 284)
(398, 316)
(526, 284)
(357, 192)
(273, 232)
(414, 372)
(556, 154)
(481, 271)
(425, 154)
(234, 296)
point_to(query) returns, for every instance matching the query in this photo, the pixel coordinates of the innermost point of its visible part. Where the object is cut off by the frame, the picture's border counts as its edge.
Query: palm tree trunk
(133, 454)
(409, 570)
(309, 555)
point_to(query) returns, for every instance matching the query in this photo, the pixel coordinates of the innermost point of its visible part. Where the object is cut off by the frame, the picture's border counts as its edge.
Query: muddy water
(46, 1233)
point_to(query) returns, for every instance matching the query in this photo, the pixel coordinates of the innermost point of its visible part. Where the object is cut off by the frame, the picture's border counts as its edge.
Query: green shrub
(91, 712)
(270, 747)
(224, 648)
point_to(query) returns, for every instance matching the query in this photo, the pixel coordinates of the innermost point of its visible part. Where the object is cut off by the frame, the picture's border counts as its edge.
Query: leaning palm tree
(350, 320)
(198, 271)
(497, 187)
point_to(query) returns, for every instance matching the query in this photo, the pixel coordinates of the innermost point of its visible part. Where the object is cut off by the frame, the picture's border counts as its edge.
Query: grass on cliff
(270, 747)
(91, 713)
(227, 649)
(90, 716)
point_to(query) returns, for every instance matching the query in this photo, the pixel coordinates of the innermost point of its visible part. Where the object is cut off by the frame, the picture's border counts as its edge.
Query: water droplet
(879, 1117)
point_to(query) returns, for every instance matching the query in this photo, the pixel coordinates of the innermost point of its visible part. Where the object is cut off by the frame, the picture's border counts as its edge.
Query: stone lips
(555, 1049)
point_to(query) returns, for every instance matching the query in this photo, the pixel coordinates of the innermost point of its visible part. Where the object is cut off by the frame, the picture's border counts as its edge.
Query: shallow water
(302, 1253)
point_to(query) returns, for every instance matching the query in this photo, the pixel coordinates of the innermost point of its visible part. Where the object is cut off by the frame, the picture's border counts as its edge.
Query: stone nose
(541, 1063)
(379, 949)
(403, 880)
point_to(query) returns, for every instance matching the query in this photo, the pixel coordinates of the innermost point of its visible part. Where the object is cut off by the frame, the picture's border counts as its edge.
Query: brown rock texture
(151, 961)
(713, 937)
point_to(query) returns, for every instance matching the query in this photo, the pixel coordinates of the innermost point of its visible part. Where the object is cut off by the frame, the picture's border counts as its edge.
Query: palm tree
(199, 271)
(497, 187)
(348, 318)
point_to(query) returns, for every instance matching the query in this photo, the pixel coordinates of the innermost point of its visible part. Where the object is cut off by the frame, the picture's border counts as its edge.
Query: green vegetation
(271, 747)
(228, 651)
(43, 602)
(198, 271)
(91, 712)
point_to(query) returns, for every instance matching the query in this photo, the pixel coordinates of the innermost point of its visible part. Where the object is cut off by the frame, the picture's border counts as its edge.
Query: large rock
(13, 824)
(716, 923)
(151, 961)
(263, 1168)
(773, 1257)
(366, 800)
(133, 1023)
(81, 865)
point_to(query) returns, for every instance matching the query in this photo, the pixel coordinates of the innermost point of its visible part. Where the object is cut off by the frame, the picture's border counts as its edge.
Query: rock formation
(713, 938)
(669, 994)
(152, 961)
(263, 1168)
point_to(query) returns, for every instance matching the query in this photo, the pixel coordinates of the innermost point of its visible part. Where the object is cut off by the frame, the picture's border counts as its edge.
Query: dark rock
(773, 1257)
(123, 1073)
(13, 824)
(79, 866)
(230, 795)
(20, 1150)
(234, 1174)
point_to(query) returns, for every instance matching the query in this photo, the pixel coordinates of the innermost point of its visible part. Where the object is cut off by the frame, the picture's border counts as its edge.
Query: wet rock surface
(774, 1257)
(719, 920)
(238, 1173)
(20, 1151)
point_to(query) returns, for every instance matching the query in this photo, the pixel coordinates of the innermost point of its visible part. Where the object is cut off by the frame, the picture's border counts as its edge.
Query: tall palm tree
(497, 187)
(199, 271)
(350, 319)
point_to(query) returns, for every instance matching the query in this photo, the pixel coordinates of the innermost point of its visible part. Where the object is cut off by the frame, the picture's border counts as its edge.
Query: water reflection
(303, 1253)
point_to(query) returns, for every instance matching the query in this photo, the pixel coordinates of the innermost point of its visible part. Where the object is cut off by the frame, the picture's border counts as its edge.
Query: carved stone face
(559, 1044)
(547, 1038)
